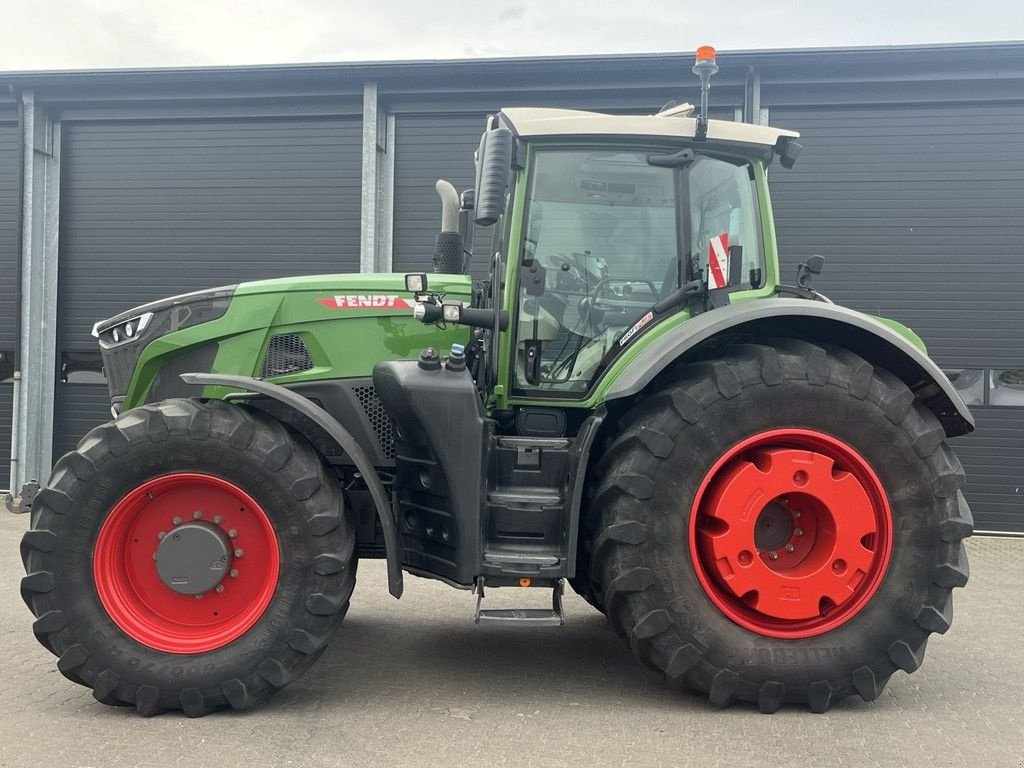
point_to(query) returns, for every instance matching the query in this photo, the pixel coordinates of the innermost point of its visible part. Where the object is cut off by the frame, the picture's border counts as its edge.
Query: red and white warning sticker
(372, 301)
(718, 261)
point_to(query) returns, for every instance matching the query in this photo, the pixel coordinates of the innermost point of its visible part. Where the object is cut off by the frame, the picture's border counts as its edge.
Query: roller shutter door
(428, 148)
(9, 191)
(917, 211)
(150, 209)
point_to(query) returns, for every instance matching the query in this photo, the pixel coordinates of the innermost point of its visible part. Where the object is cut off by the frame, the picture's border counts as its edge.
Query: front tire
(121, 597)
(706, 572)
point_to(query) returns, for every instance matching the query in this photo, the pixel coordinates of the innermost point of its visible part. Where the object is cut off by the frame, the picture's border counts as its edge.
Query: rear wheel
(783, 524)
(189, 555)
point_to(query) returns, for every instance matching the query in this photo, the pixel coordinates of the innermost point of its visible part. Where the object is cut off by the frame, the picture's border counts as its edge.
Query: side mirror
(788, 151)
(493, 168)
(808, 269)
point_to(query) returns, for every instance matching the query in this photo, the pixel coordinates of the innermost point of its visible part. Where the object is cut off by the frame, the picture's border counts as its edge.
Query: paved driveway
(416, 683)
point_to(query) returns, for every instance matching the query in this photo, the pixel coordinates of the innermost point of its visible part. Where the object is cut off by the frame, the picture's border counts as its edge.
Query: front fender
(872, 339)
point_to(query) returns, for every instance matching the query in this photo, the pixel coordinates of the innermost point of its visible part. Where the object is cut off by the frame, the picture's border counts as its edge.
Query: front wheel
(188, 556)
(781, 524)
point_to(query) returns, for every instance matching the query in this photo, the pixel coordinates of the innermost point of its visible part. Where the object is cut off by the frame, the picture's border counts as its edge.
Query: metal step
(533, 617)
(520, 558)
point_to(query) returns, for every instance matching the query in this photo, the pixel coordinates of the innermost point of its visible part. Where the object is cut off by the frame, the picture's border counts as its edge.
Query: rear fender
(876, 341)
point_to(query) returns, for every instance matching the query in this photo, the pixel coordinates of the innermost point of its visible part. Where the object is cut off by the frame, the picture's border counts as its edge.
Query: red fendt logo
(373, 301)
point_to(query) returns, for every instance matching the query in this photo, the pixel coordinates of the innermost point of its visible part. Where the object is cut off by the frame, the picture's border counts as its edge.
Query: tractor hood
(288, 329)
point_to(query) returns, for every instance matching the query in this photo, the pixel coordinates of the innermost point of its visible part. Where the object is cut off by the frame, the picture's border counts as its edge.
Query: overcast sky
(65, 34)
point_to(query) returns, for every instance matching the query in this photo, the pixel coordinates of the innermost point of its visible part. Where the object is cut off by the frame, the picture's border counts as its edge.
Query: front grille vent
(287, 353)
(378, 418)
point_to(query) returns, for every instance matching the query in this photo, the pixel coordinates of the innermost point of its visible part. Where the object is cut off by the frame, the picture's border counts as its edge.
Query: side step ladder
(534, 617)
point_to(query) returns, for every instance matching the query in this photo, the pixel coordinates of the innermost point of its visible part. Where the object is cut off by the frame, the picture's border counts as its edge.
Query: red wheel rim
(143, 606)
(791, 533)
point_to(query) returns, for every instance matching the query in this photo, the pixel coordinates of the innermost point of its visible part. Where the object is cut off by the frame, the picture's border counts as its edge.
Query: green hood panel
(349, 322)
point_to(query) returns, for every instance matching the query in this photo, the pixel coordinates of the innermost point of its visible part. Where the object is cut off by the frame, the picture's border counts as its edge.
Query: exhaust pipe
(449, 251)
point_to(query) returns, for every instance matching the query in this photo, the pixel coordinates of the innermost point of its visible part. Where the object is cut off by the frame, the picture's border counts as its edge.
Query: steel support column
(32, 433)
(386, 194)
(377, 185)
(368, 226)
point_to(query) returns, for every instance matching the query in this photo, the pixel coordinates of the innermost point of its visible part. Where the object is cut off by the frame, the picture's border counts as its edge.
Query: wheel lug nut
(773, 555)
(219, 588)
(790, 547)
(176, 521)
(161, 535)
(199, 597)
(234, 573)
(218, 520)
(799, 532)
(232, 533)
(239, 552)
(197, 515)
(796, 513)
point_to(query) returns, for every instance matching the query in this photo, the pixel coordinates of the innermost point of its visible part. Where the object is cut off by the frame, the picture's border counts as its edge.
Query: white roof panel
(536, 122)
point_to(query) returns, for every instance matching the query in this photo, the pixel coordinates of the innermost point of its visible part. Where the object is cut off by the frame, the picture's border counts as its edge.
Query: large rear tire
(137, 499)
(780, 524)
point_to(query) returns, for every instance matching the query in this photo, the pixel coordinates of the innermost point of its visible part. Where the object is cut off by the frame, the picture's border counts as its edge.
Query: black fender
(817, 321)
(344, 439)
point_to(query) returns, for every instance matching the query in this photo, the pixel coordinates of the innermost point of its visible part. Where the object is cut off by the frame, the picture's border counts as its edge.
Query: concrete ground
(416, 683)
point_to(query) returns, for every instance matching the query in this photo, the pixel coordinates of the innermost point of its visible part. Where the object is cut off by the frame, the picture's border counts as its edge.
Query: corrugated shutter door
(428, 148)
(917, 210)
(9, 161)
(150, 209)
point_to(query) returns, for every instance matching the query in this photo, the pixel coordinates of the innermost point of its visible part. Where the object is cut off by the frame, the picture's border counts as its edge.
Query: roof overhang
(529, 123)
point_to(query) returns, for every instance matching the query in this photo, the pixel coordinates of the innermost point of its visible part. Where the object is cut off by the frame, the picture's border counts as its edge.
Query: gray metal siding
(9, 191)
(153, 209)
(6, 409)
(428, 148)
(993, 457)
(78, 408)
(150, 209)
(918, 212)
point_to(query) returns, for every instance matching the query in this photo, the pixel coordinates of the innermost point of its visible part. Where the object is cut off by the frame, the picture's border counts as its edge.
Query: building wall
(909, 184)
(10, 160)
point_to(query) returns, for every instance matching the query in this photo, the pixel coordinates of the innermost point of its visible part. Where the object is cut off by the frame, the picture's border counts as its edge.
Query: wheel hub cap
(791, 533)
(194, 558)
(186, 563)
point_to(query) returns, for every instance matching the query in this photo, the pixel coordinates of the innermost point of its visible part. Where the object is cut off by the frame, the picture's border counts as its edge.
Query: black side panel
(440, 445)
(167, 382)
(356, 406)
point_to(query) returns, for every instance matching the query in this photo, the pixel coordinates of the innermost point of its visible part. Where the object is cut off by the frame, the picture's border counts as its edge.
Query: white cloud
(63, 34)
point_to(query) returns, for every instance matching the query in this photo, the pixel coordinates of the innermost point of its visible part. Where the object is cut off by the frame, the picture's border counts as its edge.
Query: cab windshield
(609, 235)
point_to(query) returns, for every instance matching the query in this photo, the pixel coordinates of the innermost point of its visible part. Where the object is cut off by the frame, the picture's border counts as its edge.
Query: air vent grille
(378, 418)
(287, 353)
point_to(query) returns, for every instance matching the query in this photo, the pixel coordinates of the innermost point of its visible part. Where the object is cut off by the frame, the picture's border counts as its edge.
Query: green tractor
(750, 482)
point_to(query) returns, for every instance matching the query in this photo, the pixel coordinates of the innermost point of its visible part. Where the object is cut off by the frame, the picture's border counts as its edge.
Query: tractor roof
(675, 123)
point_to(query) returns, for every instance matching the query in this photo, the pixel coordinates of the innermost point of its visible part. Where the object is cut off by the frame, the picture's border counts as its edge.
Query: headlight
(163, 316)
(123, 331)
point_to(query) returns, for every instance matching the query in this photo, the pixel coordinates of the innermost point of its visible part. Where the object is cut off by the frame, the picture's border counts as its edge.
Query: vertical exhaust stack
(449, 251)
